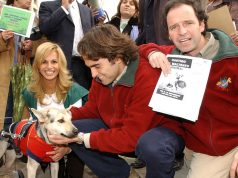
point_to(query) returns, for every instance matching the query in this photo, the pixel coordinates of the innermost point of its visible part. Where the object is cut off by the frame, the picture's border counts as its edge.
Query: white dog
(33, 141)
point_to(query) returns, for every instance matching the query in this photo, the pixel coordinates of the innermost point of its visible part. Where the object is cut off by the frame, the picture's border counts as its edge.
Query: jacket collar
(227, 47)
(128, 78)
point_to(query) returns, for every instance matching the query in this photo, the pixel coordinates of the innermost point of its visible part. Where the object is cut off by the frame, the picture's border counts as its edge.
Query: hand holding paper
(179, 94)
(159, 60)
(7, 34)
(18, 20)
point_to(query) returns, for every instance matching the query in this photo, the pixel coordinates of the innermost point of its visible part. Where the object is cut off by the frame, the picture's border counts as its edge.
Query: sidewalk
(135, 173)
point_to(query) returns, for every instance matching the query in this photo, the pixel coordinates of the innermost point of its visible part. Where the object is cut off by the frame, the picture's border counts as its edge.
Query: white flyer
(181, 92)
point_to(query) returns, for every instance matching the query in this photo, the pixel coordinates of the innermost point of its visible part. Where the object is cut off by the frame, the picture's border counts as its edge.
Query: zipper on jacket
(210, 134)
(113, 104)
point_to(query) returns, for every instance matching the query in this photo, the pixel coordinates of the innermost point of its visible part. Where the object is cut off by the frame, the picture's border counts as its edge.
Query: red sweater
(32, 145)
(124, 109)
(216, 130)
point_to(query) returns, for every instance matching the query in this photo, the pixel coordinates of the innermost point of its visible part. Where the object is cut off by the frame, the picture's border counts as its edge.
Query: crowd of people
(106, 72)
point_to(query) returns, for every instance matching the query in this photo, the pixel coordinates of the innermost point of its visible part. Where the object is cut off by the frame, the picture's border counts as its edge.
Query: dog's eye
(61, 121)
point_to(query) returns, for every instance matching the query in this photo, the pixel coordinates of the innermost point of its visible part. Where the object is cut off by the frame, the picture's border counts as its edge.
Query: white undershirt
(50, 101)
(123, 24)
(78, 31)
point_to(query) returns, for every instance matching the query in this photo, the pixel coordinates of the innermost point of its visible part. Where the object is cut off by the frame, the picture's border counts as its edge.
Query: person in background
(99, 19)
(51, 86)
(6, 51)
(126, 18)
(150, 25)
(36, 34)
(65, 23)
(117, 112)
(85, 2)
(213, 137)
(14, 49)
(233, 8)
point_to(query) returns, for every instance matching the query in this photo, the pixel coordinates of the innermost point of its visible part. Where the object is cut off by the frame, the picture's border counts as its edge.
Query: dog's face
(56, 121)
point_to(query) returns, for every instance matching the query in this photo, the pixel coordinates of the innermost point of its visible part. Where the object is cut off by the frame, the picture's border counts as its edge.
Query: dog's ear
(68, 111)
(39, 114)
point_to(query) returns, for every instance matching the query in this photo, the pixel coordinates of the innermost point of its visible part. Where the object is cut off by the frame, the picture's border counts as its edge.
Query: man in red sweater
(117, 111)
(214, 136)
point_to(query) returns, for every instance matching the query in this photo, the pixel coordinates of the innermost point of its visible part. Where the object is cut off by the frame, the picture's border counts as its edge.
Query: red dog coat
(31, 144)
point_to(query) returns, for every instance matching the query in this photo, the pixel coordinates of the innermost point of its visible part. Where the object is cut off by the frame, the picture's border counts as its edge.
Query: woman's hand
(7, 34)
(59, 152)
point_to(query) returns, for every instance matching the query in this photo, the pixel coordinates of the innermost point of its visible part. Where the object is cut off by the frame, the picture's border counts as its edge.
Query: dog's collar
(40, 133)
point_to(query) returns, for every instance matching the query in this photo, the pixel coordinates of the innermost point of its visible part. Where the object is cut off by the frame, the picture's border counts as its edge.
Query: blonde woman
(52, 86)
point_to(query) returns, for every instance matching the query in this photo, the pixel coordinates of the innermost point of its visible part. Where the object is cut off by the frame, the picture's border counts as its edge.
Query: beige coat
(6, 61)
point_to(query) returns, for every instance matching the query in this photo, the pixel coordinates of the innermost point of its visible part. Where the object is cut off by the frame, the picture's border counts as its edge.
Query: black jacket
(150, 18)
(59, 27)
(127, 30)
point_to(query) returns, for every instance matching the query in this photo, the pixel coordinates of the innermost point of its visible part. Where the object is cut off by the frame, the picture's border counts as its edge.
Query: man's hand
(61, 140)
(59, 152)
(234, 167)
(159, 60)
(101, 19)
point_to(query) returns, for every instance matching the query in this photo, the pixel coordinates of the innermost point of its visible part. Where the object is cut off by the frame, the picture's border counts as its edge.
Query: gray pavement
(135, 173)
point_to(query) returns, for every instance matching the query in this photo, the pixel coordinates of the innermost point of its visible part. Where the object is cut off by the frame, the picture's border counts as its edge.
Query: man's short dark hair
(195, 4)
(105, 41)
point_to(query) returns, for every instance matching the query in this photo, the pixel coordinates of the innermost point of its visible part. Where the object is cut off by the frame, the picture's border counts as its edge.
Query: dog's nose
(75, 131)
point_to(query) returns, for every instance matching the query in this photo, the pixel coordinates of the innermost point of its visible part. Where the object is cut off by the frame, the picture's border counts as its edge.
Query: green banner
(20, 21)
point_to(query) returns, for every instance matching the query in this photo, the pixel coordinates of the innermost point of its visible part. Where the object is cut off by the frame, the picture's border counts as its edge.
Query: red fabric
(145, 50)
(33, 143)
(216, 130)
(125, 111)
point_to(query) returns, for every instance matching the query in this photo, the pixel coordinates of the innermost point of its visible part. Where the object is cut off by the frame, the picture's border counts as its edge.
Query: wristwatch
(81, 137)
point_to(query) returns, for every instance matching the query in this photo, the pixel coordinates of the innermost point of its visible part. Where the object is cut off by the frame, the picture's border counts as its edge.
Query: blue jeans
(9, 109)
(158, 148)
(104, 165)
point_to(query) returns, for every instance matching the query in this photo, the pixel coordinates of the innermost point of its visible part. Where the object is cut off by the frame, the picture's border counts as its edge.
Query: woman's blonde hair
(64, 79)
